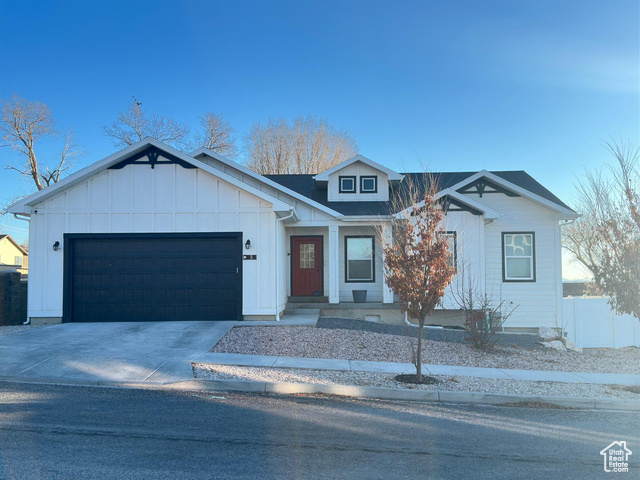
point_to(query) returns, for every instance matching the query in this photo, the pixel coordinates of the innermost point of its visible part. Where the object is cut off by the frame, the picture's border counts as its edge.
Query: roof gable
(149, 147)
(324, 176)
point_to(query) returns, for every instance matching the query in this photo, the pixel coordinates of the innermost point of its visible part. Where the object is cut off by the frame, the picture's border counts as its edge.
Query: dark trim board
(347, 177)
(369, 177)
(291, 237)
(70, 240)
(152, 155)
(504, 263)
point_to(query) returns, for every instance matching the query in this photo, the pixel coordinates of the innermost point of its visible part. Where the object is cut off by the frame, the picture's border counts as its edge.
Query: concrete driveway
(155, 353)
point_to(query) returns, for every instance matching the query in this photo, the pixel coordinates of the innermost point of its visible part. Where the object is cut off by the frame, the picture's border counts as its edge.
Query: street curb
(378, 393)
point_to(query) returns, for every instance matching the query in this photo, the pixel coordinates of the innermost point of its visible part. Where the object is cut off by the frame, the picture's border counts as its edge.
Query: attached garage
(152, 277)
(152, 234)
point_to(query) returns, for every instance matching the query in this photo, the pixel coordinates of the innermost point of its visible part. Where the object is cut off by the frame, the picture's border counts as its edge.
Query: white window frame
(532, 258)
(375, 183)
(18, 260)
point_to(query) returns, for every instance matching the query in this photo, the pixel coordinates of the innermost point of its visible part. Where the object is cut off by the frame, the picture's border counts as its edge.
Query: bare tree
(606, 239)
(23, 124)
(216, 135)
(133, 125)
(307, 145)
(485, 311)
(416, 258)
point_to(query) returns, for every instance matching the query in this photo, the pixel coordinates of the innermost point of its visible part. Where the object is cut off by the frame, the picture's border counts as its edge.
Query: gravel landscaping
(369, 379)
(363, 344)
(13, 329)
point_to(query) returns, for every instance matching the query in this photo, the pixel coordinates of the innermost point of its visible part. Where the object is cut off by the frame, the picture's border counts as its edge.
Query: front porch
(327, 263)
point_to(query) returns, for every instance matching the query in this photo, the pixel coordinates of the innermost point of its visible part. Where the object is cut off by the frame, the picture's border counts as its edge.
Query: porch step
(309, 299)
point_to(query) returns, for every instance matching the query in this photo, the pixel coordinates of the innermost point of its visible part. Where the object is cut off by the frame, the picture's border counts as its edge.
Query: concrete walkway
(390, 367)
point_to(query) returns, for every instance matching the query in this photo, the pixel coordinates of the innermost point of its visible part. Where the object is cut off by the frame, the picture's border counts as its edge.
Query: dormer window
(347, 184)
(368, 184)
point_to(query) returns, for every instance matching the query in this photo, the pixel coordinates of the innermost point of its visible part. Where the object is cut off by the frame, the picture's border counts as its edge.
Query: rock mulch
(360, 344)
(436, 334)
(370, 379)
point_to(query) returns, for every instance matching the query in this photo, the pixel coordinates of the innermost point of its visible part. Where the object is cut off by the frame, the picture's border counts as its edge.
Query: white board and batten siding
(138, 199)
(539, 302)
(469, 253)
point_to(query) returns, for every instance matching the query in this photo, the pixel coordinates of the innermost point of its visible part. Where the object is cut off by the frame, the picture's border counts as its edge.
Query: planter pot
(359, 296)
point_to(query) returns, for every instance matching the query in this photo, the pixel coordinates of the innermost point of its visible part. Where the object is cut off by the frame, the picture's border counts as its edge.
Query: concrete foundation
(45, 320)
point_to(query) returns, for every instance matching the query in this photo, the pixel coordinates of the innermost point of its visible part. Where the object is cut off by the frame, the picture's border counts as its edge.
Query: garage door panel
(153, 277)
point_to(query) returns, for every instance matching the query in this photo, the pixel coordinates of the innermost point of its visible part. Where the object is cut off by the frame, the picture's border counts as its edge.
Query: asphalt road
(55, 432)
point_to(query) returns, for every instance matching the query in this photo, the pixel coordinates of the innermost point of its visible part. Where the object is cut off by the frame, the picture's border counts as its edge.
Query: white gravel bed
(360, 345)
(371, 379)
(13, 329)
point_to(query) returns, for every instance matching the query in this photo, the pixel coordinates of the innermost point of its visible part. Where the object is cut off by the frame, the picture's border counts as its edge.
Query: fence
(13, 299)
(590, 323)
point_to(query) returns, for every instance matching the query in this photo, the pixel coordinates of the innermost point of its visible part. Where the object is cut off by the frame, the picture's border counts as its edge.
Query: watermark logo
(616, 457)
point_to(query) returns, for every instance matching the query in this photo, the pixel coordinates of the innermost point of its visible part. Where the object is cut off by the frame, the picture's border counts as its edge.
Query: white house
(150, 233)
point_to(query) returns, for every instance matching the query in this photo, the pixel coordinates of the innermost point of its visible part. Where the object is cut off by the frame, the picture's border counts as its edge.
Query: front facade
(150, 233)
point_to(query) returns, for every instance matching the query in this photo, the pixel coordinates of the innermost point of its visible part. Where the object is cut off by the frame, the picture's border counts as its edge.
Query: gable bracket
(150, 156)
(483, 185)
(447, 203)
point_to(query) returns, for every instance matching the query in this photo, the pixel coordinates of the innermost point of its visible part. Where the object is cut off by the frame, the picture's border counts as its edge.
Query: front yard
(355, 340)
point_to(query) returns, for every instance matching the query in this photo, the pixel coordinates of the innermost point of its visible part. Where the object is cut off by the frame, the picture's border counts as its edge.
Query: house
(150, 233)
(13, 256)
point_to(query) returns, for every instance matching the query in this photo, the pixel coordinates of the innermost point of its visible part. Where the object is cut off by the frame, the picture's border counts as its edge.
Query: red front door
(306, 266)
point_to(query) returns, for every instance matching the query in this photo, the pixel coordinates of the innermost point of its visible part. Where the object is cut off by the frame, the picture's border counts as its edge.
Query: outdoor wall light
(56, 246)
(247, 244)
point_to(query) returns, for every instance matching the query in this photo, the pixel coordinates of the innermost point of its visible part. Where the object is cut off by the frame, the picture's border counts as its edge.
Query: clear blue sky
(533, 85)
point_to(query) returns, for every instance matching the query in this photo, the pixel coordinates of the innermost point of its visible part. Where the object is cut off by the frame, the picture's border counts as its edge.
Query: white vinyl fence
(590, 323)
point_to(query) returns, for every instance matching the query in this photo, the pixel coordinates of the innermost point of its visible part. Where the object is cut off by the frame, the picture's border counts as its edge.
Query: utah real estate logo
(616, 457)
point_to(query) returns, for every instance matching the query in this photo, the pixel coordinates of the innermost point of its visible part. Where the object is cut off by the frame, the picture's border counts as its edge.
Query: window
(518, 257)
(359, 259)
(347, 184)
(18, 261)
(368, 184)
(307, 255)
(453, 246)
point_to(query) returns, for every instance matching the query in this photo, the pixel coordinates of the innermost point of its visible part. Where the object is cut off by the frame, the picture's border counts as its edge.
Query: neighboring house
(13, 256)
(150, 233)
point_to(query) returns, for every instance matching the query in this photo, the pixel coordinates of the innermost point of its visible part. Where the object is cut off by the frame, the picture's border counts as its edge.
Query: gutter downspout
(278, 220)
(24, 218)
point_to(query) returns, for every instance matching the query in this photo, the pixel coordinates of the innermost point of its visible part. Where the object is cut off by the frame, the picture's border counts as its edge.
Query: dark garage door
(153, 277)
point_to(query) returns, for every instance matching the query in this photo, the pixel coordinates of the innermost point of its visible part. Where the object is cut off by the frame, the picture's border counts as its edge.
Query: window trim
(18, 260)
(345, 177)
(373, 259)
(454, 234)
(533, 259)
(375, 183)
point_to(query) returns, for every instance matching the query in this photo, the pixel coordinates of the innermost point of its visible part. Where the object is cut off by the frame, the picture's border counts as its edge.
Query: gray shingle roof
(305, 185)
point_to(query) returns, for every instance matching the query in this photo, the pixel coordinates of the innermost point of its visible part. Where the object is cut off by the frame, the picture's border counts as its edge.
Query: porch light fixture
(247, 244)
(56, 246)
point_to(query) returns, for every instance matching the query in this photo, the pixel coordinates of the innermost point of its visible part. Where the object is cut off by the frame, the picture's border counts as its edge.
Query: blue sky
(455, 85)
